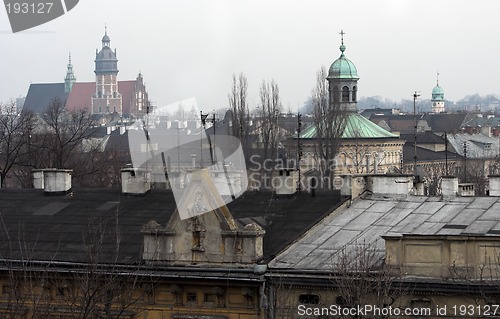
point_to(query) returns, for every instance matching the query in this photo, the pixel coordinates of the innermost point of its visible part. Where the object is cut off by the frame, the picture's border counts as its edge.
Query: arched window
(354, 91)
(345, 94)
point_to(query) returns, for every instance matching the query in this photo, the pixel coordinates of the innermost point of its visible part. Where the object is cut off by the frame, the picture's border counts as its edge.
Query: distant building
(104, 96)
(365, 147)
(437, 98)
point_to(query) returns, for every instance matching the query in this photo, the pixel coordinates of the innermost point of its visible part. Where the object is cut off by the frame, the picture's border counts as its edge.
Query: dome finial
(342, 46)
(105, 28)
(437, 78)
(69, 58)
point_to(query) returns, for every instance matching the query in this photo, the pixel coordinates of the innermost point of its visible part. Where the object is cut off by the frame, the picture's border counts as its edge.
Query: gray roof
(40, 95)
(59, 228)
(478, 145)
(367, 220)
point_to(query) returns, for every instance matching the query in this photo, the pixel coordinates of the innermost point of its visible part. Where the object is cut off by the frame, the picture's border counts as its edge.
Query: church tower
(106, 98)
(437, 98)
(343, 81)
(70, 79)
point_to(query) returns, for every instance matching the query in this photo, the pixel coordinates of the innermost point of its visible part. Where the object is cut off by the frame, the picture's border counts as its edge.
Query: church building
(364, 147)
(104, 96)
(437, 98)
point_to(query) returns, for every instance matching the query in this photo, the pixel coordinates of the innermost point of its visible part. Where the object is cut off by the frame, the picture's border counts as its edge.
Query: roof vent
(135, 181)
(57, 181)
(466, 189)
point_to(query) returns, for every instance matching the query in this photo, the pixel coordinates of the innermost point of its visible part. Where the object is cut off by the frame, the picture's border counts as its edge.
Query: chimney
(193, 160)
(449, 186)
(486, 130)
(57, 181)
(390, 184)
(466, 189)
(286, 182)
(352, 185)
(38, 178)
(123, 129)
(135, 181)
(494, 181)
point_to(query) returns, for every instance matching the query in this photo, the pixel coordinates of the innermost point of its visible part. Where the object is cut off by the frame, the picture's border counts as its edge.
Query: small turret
(70, 78)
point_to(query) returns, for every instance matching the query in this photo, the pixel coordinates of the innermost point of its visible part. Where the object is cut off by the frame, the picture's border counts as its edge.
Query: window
(310, 299)
(191, 297)
(210, 298)
(99, 94)
(345, 94)
(100, 109)
(354, 91)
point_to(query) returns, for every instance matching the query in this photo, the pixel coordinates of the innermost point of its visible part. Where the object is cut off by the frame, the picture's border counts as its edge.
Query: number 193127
(24, 7)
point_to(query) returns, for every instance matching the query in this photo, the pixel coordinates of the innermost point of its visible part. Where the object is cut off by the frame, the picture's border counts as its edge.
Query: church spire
(70, 78)
(342, 46)
(105, 38)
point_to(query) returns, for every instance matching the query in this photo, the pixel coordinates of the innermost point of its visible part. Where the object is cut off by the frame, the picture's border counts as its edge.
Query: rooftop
(60, 228)
(368, 219)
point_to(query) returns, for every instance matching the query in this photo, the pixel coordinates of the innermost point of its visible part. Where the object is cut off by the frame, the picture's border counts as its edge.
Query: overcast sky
(191, 48)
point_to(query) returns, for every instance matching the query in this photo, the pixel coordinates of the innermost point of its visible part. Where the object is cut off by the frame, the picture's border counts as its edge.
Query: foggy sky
(191, 48)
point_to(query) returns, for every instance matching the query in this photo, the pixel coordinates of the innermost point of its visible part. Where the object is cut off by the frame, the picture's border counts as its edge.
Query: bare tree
(14, 135)
(69, 129)
(239, 107)
(362, 279)
(97, 286)
(269, 114)
(330, 122)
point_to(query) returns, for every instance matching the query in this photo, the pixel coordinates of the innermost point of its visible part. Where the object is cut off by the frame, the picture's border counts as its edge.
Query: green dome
(356, 127)
(437, 93)
(342, 68)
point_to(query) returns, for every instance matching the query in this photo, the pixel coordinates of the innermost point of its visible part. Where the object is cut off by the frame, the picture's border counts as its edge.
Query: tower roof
(105, 60)
(342, 68)
(437, 93)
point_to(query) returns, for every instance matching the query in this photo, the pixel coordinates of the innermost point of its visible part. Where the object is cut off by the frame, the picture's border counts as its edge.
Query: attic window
(310, 299)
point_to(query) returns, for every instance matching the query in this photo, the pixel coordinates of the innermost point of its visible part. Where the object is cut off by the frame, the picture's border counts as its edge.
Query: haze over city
(192, 48)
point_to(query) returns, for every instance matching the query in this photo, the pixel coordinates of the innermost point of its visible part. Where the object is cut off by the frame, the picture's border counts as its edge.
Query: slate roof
(437, 122)
(40, 95)
(424, 138)
(478, 145)
(59, 228)
(367, 220)
(424, 154)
